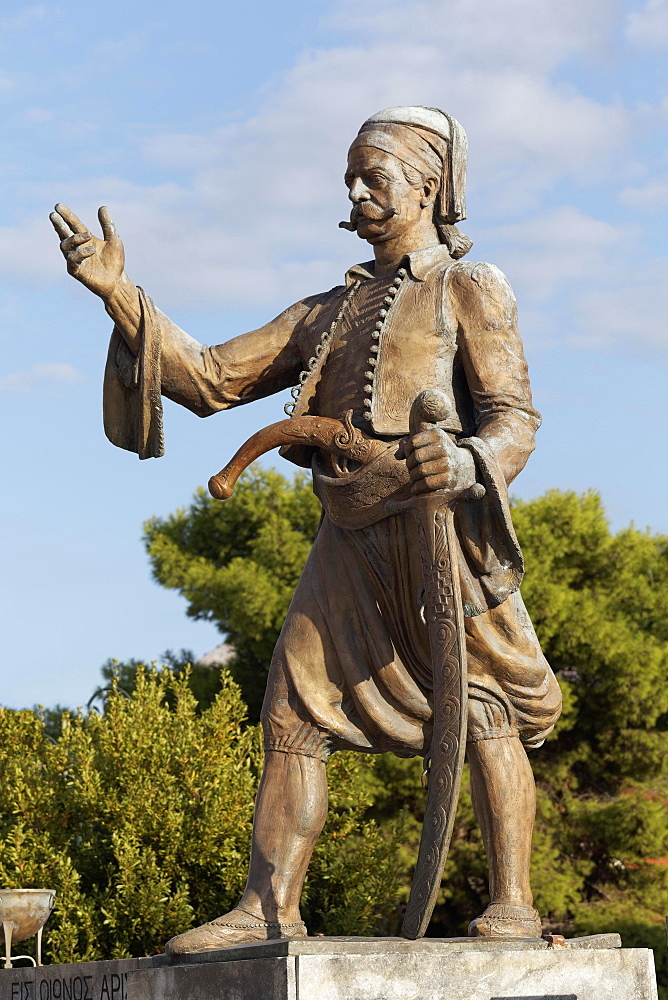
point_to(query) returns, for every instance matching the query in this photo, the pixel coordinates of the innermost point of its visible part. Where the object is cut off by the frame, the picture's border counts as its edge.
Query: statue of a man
(352, 666)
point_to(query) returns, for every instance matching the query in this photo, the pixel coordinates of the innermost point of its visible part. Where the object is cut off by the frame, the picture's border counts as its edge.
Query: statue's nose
(357, 191)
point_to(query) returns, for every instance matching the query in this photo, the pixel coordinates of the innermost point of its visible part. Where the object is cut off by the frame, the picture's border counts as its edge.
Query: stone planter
(23, 913)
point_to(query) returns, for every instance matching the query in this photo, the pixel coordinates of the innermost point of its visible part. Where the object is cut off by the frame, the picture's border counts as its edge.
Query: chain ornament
(378, 329)
(328, 334)
(323, 347)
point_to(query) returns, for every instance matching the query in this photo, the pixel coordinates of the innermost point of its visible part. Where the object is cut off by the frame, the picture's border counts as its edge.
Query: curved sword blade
(445, 622)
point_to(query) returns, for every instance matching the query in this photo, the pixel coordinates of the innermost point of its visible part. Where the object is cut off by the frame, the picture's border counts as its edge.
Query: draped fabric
(352, 667)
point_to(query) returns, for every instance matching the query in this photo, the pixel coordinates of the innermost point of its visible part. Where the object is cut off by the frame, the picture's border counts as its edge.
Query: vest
(417, 349)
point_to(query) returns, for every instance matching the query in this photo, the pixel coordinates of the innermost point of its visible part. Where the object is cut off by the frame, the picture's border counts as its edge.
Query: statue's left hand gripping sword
(443, 616)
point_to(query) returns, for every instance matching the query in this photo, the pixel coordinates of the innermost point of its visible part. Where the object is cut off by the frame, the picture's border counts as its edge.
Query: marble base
(596, 968)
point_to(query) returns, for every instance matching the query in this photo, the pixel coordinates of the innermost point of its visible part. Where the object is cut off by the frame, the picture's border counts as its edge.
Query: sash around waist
(488, 553)
(357, 499)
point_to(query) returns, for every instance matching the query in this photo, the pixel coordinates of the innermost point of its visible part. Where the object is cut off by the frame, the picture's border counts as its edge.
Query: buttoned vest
(416, 350)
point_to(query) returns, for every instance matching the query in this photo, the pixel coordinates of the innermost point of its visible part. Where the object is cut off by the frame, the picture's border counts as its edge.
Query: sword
(444, 618)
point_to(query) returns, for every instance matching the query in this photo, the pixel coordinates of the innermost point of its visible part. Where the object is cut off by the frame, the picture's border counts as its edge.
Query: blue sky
(217, 133)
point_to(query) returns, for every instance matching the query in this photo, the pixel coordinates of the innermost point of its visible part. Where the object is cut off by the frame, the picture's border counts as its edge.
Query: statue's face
(385, 204)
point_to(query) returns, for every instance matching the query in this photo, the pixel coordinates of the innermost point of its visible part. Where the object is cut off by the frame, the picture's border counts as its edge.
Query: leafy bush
(141, 817)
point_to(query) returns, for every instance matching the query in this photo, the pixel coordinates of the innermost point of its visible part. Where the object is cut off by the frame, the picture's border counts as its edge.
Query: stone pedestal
(595, 968)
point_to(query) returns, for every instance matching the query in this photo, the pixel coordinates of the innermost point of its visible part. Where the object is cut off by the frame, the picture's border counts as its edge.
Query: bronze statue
(407, 632)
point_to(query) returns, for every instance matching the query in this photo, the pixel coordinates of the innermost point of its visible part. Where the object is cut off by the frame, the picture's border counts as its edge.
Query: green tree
(140, 818)
(238, 563)
(600, 605)
(203, 680)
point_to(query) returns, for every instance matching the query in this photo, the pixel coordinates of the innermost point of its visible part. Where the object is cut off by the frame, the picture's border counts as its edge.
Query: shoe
(235, 927)
(505, 920)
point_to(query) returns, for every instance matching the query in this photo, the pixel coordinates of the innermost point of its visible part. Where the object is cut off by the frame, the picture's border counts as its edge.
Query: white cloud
(254, 218)
(35, 116)
(549, 250)
(44, 375)
(25, 18)
(7, 83)
(28, 252)
(653, 195)
(648, 27)
(533, 34)
(583, 282)
(266, 194)
(629, 315)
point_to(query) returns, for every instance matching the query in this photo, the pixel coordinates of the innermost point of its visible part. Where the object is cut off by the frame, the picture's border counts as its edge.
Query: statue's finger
(107, 223)
(60, 225)
(430, 483)
(75, 224)
(74, 241)
(434, 470)
(425, 437)
(77, 256)
(429, 452)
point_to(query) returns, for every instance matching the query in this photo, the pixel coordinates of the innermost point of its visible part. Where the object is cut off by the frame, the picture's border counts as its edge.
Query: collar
(418, 263)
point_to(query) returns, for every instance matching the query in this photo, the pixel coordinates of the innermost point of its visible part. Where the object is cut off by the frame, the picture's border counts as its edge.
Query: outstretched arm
(150, 356)
(99, 264)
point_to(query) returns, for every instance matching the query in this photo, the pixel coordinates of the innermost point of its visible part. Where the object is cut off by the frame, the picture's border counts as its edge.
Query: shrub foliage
(141, 817)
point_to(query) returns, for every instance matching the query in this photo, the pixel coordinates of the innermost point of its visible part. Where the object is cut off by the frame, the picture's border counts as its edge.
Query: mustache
(367, 210)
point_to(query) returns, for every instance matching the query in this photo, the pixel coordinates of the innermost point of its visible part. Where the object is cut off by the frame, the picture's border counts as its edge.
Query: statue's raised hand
(96, 263)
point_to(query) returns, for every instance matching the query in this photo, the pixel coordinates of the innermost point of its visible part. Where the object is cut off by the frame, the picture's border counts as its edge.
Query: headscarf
(434, 143)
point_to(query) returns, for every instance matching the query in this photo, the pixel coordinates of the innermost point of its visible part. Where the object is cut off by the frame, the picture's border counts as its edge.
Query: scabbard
(445, 623)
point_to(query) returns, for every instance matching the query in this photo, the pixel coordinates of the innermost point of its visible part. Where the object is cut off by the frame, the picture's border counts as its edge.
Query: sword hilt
(431, 406)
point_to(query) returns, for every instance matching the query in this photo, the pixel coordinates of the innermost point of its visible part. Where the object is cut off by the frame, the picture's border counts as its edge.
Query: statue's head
(406, 164)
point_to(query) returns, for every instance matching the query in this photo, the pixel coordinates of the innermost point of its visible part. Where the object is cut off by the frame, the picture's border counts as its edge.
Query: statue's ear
(429, 191)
